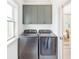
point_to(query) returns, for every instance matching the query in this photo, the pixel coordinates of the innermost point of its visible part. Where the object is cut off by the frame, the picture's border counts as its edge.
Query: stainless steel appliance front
(28, 48)
(48, 47)
(47, 44)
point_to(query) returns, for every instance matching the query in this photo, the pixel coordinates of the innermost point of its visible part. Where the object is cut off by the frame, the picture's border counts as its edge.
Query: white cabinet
(37, 14)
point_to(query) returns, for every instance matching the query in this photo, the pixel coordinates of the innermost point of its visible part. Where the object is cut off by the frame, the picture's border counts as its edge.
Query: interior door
(66, 21)
(66, 36)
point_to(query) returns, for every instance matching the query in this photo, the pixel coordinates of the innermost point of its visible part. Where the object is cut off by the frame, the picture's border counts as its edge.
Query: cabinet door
(48, 14)
(40, 14)
(45, 14)
(29, 14)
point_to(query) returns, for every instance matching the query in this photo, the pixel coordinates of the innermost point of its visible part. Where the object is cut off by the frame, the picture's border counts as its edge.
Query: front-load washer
(28, 45)
(47, 45)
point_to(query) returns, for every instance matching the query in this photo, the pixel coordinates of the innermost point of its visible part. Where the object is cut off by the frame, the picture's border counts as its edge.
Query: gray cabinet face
(45, 14)
(29, 14)
(37, 14)
(41, 15)
(48, 15)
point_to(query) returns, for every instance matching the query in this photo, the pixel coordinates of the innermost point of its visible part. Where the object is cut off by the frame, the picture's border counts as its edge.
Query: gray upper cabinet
(48, 15)
(29, 14)
(45, 14)
(37, 14)
(41, 14)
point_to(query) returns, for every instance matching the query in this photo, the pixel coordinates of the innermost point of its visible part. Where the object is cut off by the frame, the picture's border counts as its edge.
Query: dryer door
(48, 48)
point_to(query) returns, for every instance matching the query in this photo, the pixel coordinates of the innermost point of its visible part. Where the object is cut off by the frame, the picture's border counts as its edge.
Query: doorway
(66, 31)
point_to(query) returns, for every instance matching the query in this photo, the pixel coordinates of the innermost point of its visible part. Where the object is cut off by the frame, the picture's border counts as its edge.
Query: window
(11, 20)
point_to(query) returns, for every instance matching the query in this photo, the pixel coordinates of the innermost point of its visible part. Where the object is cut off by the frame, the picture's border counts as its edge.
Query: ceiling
(62, 1)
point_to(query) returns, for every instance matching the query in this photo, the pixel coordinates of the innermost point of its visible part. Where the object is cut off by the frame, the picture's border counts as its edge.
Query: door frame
(62, 28)
(61, 31)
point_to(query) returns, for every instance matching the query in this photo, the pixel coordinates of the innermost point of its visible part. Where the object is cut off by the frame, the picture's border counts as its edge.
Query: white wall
(12, 52)
(67, 9)
(57, 17)
(20, 25)
(56, 26)
(38, 26)
(37, 1)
